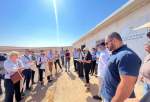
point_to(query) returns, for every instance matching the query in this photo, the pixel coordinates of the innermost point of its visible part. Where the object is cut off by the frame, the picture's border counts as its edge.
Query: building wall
(134, 39)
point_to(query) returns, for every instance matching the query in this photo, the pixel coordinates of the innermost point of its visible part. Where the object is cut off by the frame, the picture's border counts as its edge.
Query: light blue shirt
(50, 56)
(62, 53)
(11, 67)
(97, 56)
(26, 61)
(76, 54)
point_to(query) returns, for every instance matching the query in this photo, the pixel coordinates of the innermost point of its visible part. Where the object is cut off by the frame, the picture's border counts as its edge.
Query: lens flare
(56, 21)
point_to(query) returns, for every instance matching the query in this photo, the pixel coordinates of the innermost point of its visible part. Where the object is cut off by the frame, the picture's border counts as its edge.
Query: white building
(125, 20)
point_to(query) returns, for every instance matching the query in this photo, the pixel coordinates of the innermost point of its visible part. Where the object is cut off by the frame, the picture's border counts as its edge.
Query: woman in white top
(42, 62)
(11, 66)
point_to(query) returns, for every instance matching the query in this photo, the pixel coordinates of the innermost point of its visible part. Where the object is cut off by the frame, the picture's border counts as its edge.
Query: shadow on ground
(71, 75)
(42, 93)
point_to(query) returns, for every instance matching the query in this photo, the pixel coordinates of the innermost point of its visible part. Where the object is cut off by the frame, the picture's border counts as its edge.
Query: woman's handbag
(16, 77)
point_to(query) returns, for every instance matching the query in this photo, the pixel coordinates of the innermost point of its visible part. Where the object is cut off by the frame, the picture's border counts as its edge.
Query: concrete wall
(125, 25)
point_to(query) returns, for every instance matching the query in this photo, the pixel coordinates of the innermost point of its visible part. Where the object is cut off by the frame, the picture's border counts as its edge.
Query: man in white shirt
(42, 61)
(75, 58)
(27, 62)
(102, 66)
(62, 56)
(2, 59)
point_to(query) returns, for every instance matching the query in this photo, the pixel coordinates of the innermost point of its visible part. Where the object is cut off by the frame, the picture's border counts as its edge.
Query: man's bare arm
(125, 88)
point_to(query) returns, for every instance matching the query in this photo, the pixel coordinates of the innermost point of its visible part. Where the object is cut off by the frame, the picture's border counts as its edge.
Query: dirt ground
(66, 87)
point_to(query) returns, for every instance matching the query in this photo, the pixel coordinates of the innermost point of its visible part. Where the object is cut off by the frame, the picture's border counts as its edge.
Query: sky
(45, 23)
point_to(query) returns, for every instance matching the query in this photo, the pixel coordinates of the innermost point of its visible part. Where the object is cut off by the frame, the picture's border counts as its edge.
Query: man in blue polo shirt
(122, 72)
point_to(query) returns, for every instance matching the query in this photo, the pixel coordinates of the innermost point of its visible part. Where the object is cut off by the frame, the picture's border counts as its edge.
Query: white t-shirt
(102, 63)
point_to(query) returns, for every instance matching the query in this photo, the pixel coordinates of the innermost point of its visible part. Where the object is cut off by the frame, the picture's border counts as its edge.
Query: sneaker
(42, 83)
(88, 89)
(88, 86)
(23, 94)
(50, 80)
(96, 97)
(1, 93)
(29, 89)
(33, 83)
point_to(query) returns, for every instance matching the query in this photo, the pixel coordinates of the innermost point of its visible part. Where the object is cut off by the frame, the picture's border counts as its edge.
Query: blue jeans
(67, 64)
(106, 100)
(146, 88)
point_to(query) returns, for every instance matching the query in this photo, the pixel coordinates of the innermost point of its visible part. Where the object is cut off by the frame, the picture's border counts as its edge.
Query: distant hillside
(11, 48)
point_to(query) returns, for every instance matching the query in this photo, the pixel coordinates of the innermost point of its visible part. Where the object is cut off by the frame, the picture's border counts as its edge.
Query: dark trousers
(80, 70)
(41, 71)
(96, 67)
(93, 67)
(27, 73)
(87, 68)
(10, 89)
(78, 65)
(32, 75)
(0, 86)
(62, 60)
(57, 62)
(1, 77)
(75, 65)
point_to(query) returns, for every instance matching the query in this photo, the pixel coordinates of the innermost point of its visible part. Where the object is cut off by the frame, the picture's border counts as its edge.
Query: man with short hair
(93, 66)
(102, 66)
(122, 72)
(75, 57)
(62, 56)
(27, 62)
(2, 59)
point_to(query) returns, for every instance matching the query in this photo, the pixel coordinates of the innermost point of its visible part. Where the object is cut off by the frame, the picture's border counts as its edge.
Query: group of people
(117, 67)
(19, 70)
(88, 62)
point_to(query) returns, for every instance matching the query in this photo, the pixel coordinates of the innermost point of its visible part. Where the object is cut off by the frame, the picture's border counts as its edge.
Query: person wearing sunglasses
(122, 72)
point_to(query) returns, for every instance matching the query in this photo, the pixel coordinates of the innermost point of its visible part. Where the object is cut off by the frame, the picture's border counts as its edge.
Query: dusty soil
(66, 87)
